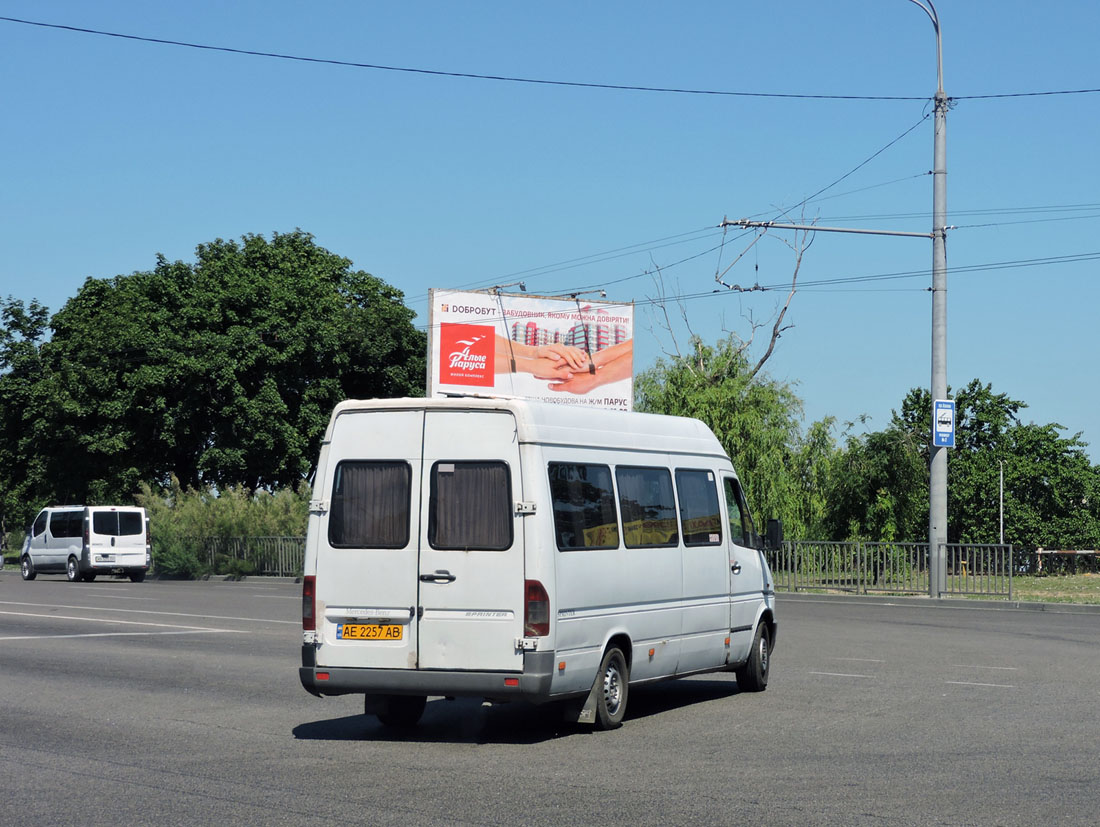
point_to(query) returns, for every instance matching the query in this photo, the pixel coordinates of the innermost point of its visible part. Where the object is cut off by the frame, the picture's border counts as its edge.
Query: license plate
(369, 631)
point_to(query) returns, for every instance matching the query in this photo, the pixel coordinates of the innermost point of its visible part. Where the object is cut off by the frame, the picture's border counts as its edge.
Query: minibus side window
(584, 506)
(39, 524)
(700, 519)
(648, 507)
(66, 524)
(470, 507)
(740, 520)
(370, 505)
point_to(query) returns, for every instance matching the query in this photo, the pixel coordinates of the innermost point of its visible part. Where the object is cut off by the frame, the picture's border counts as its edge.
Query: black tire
(72, 571)
(401, 711)
(613, 687)
(26, 568)
(137, 576)
(89, 576)
(753, 676)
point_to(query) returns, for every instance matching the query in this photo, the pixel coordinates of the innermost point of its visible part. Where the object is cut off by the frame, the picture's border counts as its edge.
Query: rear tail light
(536, 614)
(309, 603)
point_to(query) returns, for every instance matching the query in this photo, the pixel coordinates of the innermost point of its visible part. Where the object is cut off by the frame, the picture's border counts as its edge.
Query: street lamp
(937, 480)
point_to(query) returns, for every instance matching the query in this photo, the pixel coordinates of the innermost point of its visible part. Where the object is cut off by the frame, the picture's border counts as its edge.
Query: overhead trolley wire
(818, 285)
(515, 79)
(463, 75)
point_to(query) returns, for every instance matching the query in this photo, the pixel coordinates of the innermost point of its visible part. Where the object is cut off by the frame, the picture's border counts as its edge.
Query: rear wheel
(753, 676)
(26, 568)
(611, 694)
(72, 571)
(137, 576)
(89, 576)
(398, 711)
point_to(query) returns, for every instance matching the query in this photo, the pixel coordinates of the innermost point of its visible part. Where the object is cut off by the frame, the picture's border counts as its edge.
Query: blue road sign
(943, 423)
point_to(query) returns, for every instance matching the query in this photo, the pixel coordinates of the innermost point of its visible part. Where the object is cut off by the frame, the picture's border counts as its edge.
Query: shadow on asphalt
(468, 721)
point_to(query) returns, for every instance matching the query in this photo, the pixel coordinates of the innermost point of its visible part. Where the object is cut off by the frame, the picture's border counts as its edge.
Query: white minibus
(517, 550)
(85, 541)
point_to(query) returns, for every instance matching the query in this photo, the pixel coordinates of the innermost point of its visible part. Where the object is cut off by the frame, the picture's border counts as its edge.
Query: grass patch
(1057, 588)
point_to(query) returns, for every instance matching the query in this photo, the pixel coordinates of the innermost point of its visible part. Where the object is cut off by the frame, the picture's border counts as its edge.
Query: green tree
(222, 372)
(757, 420)
(22, 329)
(879, 488)
(1051, 490)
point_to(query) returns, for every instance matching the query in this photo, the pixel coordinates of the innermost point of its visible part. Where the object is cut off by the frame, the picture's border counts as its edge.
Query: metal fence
(271, 556)
(800, 565)
(890, 568)
(979, 569)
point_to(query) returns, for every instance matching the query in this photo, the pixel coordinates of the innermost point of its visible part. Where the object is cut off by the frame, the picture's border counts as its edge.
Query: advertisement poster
(565, 351)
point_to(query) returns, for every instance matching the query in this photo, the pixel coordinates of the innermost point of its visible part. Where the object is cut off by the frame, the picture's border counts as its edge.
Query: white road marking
(993, 685)
(125, 634)
(840, 675)
(277, 596)
(979, 666)
(174, 626)
(146, 612)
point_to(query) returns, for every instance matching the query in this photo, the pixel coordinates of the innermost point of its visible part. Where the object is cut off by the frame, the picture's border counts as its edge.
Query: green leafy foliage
(878, 488)
(183, 521)
(1051, 490)
(222, 372)
(757, 420)
(21, 333)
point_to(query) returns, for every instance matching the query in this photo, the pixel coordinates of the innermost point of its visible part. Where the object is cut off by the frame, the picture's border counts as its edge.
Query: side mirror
(774, 539)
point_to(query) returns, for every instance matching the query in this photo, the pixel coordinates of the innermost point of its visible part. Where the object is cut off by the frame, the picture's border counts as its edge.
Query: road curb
(946, 602)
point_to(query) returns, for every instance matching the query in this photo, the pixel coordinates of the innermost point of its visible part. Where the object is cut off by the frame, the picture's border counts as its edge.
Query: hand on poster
(556, 362)
(611, 365)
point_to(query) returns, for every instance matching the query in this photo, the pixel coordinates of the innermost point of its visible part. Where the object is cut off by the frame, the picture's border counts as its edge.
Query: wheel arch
(620, 640)
(767, 617)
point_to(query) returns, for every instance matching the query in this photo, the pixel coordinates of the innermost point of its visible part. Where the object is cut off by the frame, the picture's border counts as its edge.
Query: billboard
(566, 351)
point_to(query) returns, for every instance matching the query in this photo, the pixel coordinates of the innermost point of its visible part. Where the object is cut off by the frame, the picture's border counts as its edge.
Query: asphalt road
(178, 703)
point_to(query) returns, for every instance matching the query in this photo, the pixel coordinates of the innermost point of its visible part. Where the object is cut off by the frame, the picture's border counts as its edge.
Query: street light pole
(1001, 499)
(937, 481)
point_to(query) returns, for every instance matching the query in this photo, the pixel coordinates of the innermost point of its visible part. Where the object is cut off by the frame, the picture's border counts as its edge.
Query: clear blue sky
(115, 150)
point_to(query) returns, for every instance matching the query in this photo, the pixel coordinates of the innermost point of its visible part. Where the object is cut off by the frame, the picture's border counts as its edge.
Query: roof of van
(566, 424)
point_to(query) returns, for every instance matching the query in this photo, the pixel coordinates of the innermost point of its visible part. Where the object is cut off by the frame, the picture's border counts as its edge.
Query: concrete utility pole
(937, 479)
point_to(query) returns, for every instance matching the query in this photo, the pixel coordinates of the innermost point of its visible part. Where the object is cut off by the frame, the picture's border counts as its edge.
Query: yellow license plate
(369, 631)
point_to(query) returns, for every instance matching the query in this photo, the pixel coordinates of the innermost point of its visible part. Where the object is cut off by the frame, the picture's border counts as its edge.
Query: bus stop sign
(943, 423)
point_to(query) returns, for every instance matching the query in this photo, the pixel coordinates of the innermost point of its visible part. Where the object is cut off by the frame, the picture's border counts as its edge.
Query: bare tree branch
(802, 243)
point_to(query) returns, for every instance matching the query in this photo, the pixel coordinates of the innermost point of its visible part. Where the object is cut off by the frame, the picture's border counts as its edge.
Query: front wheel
(753, 676)
(26, 568)
(611, 693)
(72, 571)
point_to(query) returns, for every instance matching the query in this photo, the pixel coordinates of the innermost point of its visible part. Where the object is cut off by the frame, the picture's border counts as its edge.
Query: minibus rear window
(648, 507)
(117, 523)
(470, 507)
(700, 520)
(370, 505)
(584, 506)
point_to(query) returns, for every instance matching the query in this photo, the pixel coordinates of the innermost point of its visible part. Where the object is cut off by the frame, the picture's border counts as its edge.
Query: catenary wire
(539, 81)
(462, 75)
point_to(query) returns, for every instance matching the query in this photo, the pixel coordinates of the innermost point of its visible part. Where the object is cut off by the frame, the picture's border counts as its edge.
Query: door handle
(736, 567)
(439, 576)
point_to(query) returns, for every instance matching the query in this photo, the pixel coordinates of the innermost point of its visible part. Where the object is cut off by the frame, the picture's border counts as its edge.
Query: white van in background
(85, 541)
(518, 550)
